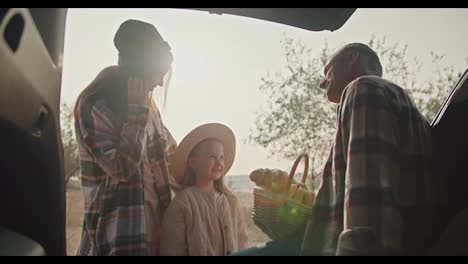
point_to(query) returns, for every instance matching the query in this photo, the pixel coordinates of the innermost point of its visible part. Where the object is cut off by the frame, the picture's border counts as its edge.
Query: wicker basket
(275, 214)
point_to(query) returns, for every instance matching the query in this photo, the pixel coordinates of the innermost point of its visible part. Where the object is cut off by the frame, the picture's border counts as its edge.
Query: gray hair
(370, 57)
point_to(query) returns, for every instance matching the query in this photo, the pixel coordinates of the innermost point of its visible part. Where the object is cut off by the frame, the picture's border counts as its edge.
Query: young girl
(205, 218)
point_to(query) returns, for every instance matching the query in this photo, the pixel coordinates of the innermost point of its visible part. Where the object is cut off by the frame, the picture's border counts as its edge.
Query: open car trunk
(450, 133)
(314, 19)
(32, 191)
(32, 188)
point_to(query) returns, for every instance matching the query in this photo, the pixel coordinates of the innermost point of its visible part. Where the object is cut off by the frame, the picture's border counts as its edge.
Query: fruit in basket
(257, 176)
(279, 181)
(267, 179)
(292, 190)
(309, 198)
(299, 195)
(271, 180)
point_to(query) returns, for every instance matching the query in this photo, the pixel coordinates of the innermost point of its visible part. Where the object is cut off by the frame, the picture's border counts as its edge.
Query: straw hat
(224, 134)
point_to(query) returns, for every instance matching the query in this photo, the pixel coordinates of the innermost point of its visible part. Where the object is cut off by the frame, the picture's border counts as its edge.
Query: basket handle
(293, 170)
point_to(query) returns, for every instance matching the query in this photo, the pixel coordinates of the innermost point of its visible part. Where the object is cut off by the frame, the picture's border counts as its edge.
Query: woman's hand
(139, 91)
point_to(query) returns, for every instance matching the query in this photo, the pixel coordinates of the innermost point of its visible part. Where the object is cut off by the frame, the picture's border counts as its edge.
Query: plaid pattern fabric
(111, 153)
(379, 174)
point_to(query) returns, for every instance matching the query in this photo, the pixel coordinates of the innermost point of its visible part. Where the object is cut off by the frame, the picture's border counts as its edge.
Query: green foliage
(70, 148)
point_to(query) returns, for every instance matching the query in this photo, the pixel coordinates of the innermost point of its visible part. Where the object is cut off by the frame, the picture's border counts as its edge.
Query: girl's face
(208, 161)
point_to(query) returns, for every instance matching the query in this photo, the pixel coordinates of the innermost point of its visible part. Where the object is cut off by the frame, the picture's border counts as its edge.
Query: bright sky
(219, 60)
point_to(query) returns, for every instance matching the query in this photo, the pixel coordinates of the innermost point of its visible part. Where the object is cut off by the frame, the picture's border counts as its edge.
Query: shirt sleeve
(117, 151)
(370, 138)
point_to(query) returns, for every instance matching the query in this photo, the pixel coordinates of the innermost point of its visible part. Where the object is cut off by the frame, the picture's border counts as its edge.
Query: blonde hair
(190, 176)
(112, 73)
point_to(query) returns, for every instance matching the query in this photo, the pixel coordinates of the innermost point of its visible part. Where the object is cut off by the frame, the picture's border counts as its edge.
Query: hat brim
(224, 134)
